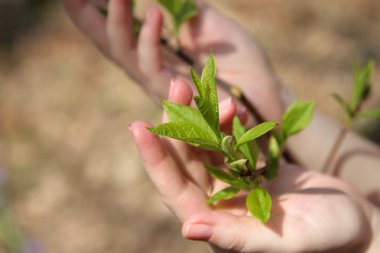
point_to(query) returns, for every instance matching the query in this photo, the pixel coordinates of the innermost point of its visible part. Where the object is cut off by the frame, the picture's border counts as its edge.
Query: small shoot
(200, 127)
(362, 90)
(180, 11)
(296, 118)
(353, 108)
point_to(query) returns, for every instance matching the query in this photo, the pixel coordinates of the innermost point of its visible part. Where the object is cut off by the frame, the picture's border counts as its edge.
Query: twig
(334, 150)
(233, 90)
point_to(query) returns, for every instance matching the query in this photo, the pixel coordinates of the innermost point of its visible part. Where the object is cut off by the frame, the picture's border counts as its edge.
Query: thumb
(230, 232)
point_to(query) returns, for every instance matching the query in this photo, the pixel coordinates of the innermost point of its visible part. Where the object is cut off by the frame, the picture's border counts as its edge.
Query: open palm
(311, 212)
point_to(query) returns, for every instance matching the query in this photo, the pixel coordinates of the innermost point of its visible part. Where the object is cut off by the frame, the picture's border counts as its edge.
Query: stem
(233, 90)
(338, 142)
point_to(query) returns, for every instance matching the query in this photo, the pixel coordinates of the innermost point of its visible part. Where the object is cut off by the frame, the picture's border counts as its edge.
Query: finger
(158, 163)
(88, 19)
(227, 111)
(182, 197)
(119, 28)
(190, 162)
(179, 93)
(243, 114)
(149, 50)
(230, 232)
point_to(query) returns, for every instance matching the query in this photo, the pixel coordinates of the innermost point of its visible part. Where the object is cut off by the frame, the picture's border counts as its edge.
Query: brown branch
(334, 150)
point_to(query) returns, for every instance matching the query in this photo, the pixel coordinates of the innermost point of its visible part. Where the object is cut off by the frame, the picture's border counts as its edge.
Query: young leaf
(256, 132)
(345, 106)
(188, 132)
(180, 10)
(227, 145)
(238, 163)
(188, 10)
(296, 118)
(273, 158)
(250, 149)
(224, 194)
(177, 113)
(208, 78)
(210, 113)
(259, 204)
(198, 83)
(362, 76)
(207, 101)
(226, 178)
(372, 114)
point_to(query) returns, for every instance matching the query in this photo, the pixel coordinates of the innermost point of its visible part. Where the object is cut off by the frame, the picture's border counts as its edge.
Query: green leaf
(209, 113)
(250, 149)
(188, 132)
(198, 83)
(239, 163)
(207, 101)
(226, 178)
(188, 10)
(208, 78)
(256, 132)
(345, 106)
(219, 174)
(296, 118)
(273, 158)
(224, 194)
(177, 113)
(227, 145)
(180, 10)
(362, 86)
(372, 114)
(259, 204)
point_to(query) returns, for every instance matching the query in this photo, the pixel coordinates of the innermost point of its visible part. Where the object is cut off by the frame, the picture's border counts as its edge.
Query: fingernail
(130, 125)
(225, 104)
(198, 232)
(150, 17)
(171, 89)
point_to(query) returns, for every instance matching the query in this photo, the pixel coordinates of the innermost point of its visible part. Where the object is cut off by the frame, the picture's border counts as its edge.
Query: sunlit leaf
(250, 149)
(345, 106)
(273, 158)
(224, 194)
(259, 204)
(226, 178)
(209, 114)
(187, 114)
(198, 83)
(362, 86)
(180, 10)
(207, 101)
(256, 132)
(297, 117)
(372, 114)
(188, 132)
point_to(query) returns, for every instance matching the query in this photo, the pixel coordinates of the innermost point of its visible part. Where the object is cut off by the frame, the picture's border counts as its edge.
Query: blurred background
(70, 177)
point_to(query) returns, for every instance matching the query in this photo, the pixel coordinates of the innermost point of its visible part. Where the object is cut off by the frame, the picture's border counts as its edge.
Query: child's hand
(240, 60)
(311, 212)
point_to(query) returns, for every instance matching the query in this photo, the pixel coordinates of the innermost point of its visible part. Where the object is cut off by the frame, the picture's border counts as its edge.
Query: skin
(153, 67)
(311, 212)
(319, 213)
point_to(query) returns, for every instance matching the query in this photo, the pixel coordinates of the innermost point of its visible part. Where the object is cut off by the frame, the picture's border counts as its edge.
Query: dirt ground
(74, 180)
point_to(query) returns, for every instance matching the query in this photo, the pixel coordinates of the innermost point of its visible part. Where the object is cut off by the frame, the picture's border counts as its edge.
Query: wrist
(374, 245)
